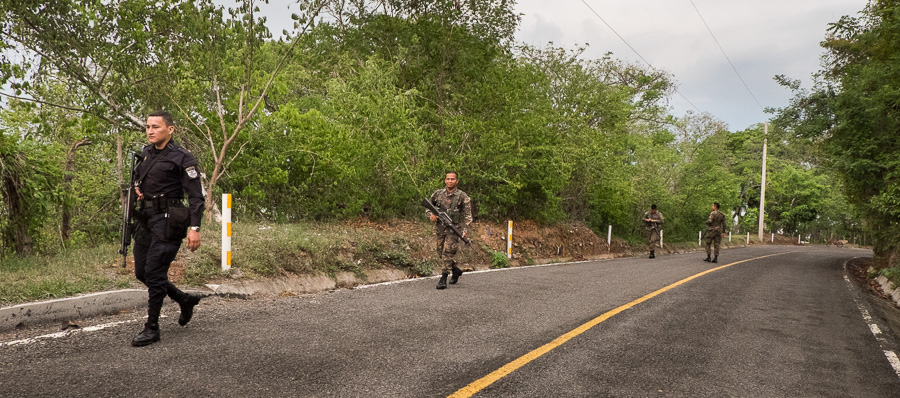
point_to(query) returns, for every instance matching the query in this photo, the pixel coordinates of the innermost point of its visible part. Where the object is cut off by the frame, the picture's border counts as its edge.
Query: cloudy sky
(763, 38)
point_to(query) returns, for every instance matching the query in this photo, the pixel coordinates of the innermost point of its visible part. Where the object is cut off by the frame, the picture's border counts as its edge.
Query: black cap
(653, 207)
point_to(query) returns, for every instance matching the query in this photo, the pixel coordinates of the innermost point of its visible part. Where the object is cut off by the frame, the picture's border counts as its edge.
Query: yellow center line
(498, 374)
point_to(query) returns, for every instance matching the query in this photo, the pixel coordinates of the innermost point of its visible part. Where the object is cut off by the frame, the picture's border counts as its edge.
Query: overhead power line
(636, 52)
(726, 55)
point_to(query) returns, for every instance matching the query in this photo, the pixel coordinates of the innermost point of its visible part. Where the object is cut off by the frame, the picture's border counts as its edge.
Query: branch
(220, 110)
(225, 166)
(281, 62)
(208, 132)
(77, 71)
(136, 82)
(113, 122)
(241, 104)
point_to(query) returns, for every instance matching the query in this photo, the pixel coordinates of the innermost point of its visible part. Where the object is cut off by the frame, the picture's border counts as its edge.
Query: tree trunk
(67, 183)
(119, 168)
(21, 240)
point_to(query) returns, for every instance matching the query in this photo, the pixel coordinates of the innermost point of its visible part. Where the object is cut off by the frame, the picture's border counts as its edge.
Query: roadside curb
(71, 308)
(43, 312)
(887, 287)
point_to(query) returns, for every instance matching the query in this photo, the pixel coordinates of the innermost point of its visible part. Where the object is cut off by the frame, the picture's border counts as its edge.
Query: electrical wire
(726, 55)
(636, 52)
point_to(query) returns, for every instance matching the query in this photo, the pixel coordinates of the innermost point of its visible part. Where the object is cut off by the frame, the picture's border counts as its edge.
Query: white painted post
(748, 238)
(609, 237)
(729, 236)
(509, 241)
(226, 231)
(660, 239)
(798, 239)
(699, 238)
(773, 237)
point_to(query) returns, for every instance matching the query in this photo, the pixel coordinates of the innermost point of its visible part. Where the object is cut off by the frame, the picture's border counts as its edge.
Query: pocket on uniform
(177, 219)
(162, 169)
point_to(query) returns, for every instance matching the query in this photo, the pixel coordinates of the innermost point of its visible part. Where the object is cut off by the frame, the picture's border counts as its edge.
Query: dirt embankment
(533, 243)
(363, 248)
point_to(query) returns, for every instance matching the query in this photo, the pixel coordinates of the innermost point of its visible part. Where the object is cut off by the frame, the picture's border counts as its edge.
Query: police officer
(653, 219)
(715, 231)
(459, 207)
(166, 173)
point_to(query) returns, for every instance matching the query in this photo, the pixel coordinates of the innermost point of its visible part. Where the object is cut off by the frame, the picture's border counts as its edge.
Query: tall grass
(67, 273)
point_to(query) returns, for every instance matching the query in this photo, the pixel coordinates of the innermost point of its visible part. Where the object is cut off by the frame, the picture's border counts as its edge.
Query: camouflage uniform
(459, 207)
(715, 227)
(653, 228)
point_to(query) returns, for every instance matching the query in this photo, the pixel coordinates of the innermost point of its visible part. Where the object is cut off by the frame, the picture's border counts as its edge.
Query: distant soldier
(459, 207)
(715, 231)
(653, 220)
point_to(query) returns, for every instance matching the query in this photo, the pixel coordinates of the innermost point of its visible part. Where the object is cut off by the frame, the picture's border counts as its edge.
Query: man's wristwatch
(195, 229)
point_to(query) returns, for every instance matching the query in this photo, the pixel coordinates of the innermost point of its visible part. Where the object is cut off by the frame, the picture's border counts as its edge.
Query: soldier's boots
(456, 274)
(716, 259)
(707, 258)
(442, 284)
(148, 336)
(188, 302)
(651, 254)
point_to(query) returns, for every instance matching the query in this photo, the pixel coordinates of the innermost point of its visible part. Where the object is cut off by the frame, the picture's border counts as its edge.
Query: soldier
(165, 174)
(715, 231)
(653, 219)
(459, 207)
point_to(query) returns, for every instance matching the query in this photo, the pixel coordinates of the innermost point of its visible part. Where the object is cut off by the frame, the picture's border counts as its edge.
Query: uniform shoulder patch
(191, 172)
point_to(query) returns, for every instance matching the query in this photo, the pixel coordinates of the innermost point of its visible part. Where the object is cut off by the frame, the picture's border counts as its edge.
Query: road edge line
(891, 356)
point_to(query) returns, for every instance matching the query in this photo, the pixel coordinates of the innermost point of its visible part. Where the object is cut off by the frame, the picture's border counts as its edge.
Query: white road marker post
(699, 238)
(748, 238)
(609, 240)
(509, 241)
(226, 231)
(773, 237)
(660, 239)
(729, 236)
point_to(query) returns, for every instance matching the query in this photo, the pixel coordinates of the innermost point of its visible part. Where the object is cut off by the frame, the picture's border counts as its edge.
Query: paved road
(784, 325)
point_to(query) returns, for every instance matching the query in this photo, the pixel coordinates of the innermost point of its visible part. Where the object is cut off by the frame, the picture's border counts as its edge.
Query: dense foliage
(853, 111)
(360, 111)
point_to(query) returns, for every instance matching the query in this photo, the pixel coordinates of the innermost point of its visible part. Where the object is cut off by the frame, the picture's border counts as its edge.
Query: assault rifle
(127, 208)
(444, 218)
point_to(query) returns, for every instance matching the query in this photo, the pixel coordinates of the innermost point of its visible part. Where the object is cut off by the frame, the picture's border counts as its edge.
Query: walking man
(653, 221)
(715, 231)
(166, 173)
(458, 206)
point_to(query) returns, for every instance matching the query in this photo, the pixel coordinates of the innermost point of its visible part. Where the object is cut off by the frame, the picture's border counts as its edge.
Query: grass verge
(72, 272)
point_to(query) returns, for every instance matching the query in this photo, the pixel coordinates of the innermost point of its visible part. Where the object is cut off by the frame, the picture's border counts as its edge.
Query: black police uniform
(164, 176)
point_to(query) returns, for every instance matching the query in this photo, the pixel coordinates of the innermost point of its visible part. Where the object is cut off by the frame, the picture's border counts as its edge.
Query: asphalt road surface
(788, 324)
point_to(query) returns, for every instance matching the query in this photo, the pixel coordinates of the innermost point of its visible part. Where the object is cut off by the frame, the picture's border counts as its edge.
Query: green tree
(852, 111)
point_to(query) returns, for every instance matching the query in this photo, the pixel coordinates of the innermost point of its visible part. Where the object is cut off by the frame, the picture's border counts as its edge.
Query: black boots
(148, 336)
(715, 259)
(456, 274)
(651, 254)
(442, 283)
(188, 302)
(707, 258)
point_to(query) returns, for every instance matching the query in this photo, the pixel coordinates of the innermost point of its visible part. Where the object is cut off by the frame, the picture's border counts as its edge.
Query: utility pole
(762, 191)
